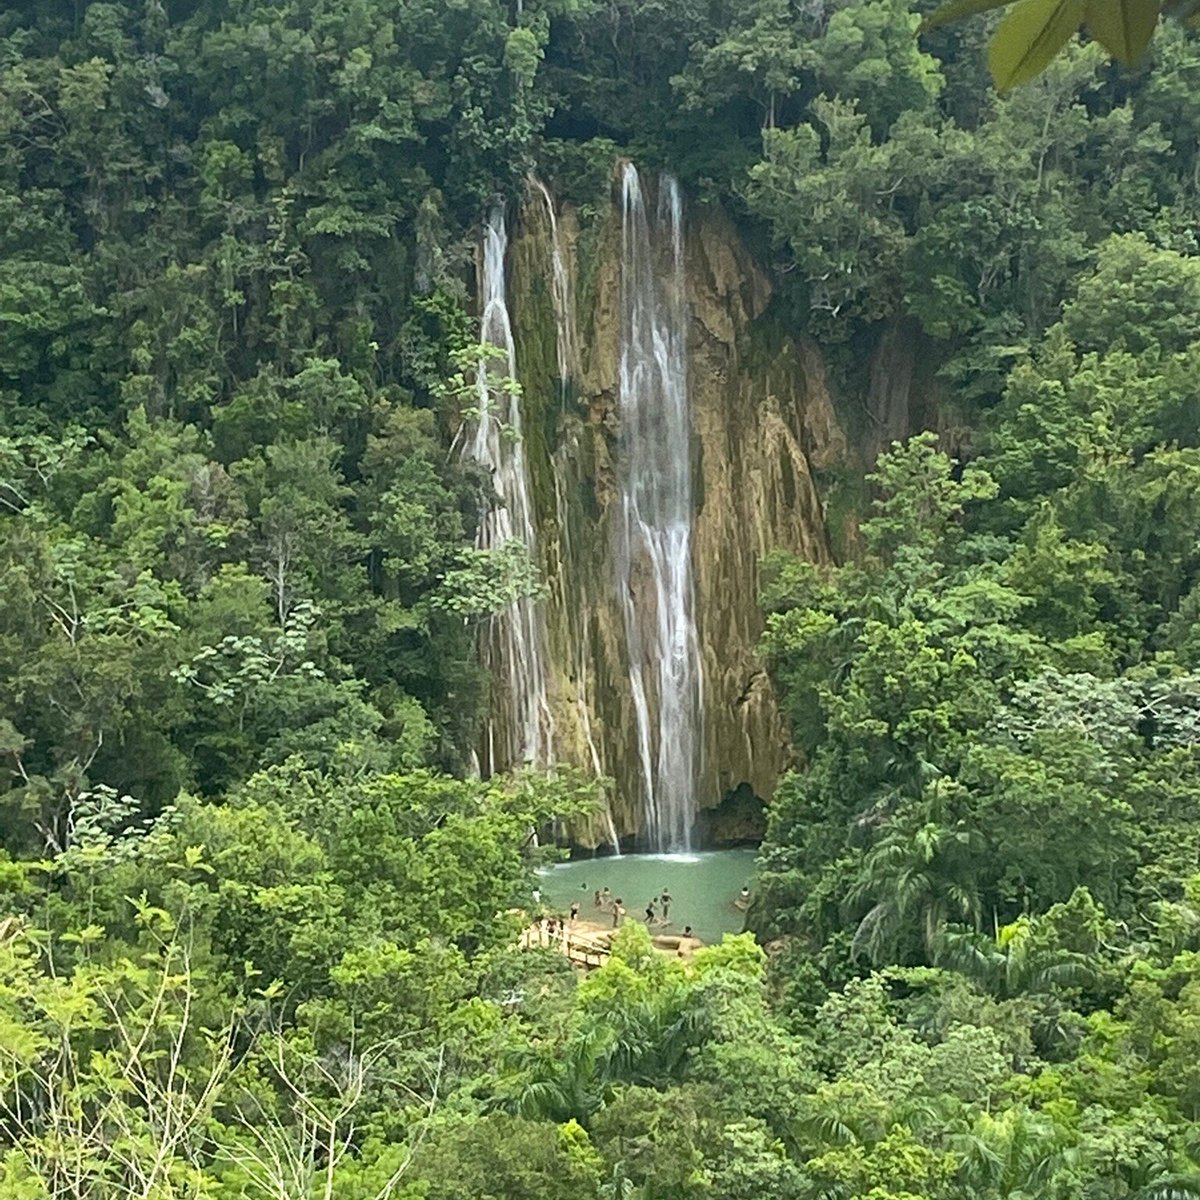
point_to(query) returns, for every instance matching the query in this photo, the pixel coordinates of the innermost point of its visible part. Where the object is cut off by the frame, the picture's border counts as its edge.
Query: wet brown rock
(764, 425)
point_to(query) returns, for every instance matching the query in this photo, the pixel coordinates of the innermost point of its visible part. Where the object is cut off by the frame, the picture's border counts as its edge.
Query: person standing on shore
(617, 912)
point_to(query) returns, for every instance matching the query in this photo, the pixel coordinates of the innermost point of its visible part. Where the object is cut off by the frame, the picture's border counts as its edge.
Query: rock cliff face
(763, 426)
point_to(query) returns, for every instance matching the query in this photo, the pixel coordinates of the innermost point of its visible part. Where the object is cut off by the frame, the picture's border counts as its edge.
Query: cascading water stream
(520, 728)
(560, 292)
(655, 518)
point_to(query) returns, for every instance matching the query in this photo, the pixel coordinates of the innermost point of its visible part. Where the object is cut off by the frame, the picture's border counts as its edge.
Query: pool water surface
(705, 888)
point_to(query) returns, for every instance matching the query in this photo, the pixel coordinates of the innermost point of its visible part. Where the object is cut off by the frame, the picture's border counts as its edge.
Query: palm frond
(869, 936)
(825, 1129)
(1171, 1187)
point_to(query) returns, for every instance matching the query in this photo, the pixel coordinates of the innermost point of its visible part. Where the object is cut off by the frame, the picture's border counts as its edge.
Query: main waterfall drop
(673, 429)
(654, 534)
(520, 729)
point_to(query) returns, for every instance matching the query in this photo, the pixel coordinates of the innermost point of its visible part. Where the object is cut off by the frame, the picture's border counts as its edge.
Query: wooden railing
(588, 948)
(588, 953)
(585, 949)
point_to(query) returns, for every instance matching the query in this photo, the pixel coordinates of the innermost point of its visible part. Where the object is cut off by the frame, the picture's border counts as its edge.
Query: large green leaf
(1123, 27)
(1029, 37)
(959, 10)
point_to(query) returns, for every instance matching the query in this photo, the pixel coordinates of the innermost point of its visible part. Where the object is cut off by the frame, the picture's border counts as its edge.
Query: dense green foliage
(256, 938)
(232, 285)
(999, 707)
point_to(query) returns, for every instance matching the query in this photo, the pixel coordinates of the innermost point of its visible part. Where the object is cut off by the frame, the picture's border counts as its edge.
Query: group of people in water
(657, 912)
(603, 899)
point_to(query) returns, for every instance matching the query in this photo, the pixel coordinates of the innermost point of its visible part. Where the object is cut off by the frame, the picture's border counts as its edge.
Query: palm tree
(642, 1043)
(650, 1039)
(561, 1084)
(1015, 1156)
(1171, 1187)
(839, 1114)
(1014, 962)
(1168, 1175)
(919, 882)
(1017, 962)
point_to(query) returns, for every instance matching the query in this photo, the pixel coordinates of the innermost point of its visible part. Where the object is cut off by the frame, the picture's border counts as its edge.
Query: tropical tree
(1017, 1154)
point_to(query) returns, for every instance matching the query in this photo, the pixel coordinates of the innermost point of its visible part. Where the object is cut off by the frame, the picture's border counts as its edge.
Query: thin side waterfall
(560, 292)
(655, 520)
(611, 829)
(520, 727)
(567, 355)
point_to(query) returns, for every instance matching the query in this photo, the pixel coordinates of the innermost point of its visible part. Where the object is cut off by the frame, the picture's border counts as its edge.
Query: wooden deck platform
(586, 945)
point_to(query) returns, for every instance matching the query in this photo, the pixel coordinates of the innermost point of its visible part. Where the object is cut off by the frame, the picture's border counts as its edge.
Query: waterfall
(611, 828)
(513, 646)
(655, 517)
(560, 292)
